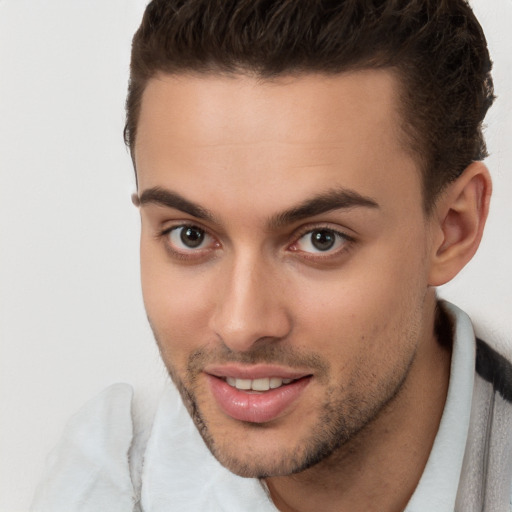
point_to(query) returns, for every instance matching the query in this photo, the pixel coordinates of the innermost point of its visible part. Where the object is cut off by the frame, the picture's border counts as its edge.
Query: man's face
(284, 258)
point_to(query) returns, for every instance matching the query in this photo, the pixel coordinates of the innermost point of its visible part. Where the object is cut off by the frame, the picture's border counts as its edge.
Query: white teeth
(275, 382)
(263, 384)
(243, 383)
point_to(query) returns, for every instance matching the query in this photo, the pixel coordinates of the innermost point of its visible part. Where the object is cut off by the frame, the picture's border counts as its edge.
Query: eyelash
(183, 254)
(191, 254)
(347, 242)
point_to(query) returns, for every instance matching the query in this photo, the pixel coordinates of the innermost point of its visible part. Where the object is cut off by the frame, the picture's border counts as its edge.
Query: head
(306, 176)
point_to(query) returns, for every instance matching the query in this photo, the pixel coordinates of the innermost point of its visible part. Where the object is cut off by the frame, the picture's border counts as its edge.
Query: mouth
(261, 384)
(250, 396)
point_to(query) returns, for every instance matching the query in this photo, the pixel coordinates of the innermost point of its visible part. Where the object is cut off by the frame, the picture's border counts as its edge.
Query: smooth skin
(238, 266)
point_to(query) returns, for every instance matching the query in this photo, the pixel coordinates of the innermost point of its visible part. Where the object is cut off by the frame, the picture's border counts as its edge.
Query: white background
(71, 314)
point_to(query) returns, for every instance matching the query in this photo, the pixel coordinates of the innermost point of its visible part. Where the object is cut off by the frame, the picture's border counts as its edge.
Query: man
(307, 174)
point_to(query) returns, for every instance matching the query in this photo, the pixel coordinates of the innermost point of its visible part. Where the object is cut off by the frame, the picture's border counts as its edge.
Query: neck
(379, 469)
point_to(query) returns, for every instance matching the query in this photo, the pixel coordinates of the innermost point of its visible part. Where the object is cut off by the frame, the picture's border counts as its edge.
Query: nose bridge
(248, 308)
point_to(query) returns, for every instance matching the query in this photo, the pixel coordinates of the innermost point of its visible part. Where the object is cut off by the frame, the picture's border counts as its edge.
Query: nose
(250, 307)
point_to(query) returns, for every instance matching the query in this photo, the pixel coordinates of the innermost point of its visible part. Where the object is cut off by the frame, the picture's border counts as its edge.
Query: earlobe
(459, 219)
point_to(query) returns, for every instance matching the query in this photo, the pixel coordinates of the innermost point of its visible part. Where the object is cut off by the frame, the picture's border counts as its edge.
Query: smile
(262, 384)
(260, 399)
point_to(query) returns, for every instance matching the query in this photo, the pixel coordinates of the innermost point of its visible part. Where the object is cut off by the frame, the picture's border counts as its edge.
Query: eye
(321, 240)
(188, 238)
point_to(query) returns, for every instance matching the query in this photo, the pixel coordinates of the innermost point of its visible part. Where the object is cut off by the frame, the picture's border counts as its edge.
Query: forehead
(249, 109)
(242, 132)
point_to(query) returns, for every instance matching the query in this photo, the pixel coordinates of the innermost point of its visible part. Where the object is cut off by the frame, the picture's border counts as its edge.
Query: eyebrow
(334, 199)
(170, 199)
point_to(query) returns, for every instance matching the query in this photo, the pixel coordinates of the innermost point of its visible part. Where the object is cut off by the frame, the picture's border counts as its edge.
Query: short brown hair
(437, 48)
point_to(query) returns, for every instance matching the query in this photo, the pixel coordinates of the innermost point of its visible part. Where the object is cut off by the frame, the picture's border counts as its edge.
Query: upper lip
(259, 371)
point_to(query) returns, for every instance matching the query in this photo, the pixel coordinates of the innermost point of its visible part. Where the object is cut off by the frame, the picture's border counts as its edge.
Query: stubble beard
(342, 417)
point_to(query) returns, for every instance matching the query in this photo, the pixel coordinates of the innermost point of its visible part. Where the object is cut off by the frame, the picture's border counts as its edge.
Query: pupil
(323, 240)
(192, 237)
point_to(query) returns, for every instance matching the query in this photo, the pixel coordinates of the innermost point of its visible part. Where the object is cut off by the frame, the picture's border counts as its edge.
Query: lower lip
(255, 407)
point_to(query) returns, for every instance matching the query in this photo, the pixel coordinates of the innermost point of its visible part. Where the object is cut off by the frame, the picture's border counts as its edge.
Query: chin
(269, 464)
(273, 450)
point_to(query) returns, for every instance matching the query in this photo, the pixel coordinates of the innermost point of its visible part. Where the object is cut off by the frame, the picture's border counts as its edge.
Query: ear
(458, 223)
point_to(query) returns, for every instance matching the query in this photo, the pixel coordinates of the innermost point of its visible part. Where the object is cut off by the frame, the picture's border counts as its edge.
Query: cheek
(175, 300)
(373, 302)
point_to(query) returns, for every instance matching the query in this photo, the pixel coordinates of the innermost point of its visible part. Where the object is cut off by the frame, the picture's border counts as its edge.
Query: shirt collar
(437, 488)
